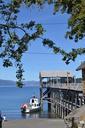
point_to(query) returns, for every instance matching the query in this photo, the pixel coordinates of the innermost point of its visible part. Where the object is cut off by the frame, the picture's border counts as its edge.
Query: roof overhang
(53, 74)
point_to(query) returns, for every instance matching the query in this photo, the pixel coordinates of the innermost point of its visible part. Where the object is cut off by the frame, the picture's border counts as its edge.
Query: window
(32, 100)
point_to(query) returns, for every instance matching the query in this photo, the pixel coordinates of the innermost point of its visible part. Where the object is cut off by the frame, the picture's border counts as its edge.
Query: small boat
(32, 106)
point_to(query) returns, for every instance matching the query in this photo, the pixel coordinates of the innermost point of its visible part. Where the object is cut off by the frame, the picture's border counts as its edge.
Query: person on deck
(1, 119)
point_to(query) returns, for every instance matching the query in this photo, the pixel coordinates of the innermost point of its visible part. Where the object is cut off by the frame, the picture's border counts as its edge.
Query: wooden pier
(61, 91)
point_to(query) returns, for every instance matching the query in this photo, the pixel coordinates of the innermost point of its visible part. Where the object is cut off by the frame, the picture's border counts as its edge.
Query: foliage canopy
(12, 45)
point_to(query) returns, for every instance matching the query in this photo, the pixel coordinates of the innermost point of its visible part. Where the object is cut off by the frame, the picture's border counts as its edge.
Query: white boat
(32, 106)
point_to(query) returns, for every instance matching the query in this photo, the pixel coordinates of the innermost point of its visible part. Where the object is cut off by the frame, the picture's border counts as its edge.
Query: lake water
(11, 99)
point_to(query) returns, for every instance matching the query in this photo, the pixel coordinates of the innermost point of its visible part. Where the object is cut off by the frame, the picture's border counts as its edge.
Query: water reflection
(31, 115)
(38, 115)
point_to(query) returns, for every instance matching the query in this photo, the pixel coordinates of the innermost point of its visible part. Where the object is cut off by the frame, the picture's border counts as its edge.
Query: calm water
(11, 99)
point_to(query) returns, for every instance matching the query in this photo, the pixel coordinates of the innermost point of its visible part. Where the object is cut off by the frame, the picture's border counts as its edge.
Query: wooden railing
(69, 86)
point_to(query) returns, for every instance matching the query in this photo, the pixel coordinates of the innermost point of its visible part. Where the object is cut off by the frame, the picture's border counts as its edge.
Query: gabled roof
(82, 66)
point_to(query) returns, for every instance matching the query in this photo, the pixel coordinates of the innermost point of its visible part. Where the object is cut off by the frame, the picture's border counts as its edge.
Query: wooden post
(72, 101)
(59, 104)
(63, 109)
(49, 104)
(81, 100)
(67, 79)
(75, 99)
(78, 98)
(57, 109)
(41, 93)
(83, 80)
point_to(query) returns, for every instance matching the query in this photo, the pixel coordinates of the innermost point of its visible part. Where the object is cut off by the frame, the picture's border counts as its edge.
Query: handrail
(70, 86)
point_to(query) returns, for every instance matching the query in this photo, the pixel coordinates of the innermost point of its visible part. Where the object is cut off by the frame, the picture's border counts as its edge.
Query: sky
(36, 59)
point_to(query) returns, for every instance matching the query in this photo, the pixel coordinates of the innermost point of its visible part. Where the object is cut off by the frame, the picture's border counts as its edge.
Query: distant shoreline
(18, 87)
(13, 83)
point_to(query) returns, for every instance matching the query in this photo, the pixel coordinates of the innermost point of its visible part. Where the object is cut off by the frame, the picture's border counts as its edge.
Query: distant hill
(7, 83)
(13, 83)
(31, 83)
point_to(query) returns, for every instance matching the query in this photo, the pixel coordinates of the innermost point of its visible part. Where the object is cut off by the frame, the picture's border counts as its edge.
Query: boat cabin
(34, 101)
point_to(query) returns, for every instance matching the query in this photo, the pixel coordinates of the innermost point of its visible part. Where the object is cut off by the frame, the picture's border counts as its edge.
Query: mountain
(7, 83)
(31, 83)
(13, 83)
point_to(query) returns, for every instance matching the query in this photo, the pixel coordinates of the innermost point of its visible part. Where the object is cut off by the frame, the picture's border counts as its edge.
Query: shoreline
(34, 123)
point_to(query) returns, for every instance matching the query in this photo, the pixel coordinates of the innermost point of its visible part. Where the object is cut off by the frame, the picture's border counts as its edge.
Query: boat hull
(32, 106)
(30, 110)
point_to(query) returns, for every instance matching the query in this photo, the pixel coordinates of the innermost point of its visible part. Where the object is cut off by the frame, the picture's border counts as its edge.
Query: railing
(69, 86)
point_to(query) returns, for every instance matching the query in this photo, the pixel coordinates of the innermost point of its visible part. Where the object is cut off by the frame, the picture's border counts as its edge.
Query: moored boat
(32, 106)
